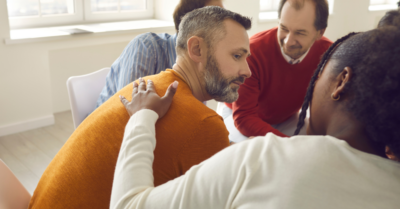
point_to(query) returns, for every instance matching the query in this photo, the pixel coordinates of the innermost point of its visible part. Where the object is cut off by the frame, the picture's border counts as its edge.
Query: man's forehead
(294, 27)
(235, 36)
(238, 44)
(298, 19)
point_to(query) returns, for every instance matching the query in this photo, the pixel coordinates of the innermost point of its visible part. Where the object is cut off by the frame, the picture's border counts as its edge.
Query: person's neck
(190, 73)
(345, 127)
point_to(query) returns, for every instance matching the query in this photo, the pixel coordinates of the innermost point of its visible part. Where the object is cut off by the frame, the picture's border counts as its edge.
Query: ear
(390, 154)
(342, 79)
(195, 49)
(320, 33)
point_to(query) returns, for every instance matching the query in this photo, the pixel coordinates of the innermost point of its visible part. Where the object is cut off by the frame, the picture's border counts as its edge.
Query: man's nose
(245, 70)
(289, 40)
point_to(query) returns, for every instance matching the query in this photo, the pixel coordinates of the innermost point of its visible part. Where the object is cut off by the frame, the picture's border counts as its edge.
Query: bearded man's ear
(196, 50)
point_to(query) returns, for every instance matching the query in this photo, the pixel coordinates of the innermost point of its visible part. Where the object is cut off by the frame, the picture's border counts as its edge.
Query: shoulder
(212, 119)
(210, 132)
(278, 153)
(194, 115)
(296, 148)
(324, 43)
(184, 102)
(151, 38)
(190, 120)
(263, 37)
(197, 112)
(325, 40)
(155, 36)
(263, 42)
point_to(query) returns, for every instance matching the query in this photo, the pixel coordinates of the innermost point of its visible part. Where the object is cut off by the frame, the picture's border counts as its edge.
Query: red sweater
(276, 89)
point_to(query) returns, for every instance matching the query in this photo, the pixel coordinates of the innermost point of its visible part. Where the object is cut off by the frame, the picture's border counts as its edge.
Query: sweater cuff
(144, 117)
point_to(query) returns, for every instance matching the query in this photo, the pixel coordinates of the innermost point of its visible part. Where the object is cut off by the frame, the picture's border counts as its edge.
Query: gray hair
(207, 23)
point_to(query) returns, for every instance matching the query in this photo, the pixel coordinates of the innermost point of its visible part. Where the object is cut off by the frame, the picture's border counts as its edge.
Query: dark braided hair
(310, 88)
(373, 93)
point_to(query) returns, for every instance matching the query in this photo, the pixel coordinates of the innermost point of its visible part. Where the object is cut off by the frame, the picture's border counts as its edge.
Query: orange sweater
(81, 174)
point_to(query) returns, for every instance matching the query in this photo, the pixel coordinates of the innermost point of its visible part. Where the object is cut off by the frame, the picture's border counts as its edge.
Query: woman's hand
(143, 98)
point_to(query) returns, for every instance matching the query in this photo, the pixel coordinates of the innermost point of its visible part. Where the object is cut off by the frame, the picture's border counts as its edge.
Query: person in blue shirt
(148, 53)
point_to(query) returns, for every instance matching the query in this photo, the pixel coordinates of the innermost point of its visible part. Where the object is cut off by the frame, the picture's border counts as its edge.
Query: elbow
(129, 200)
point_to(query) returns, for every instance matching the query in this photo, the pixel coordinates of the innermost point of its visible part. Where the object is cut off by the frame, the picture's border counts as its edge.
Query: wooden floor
(28, 153)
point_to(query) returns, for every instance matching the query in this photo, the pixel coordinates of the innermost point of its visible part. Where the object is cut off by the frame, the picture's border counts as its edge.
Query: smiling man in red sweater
(282, 63)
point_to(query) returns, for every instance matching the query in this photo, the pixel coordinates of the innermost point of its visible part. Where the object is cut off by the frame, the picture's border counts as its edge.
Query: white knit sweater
(302, 172)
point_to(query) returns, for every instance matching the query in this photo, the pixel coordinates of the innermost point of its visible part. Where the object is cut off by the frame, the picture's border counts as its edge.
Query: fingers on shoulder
(142, 85)
(171, 90)
(123, 100)
(150, 85)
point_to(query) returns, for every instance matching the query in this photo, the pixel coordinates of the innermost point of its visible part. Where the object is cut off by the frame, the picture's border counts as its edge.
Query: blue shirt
(146, 54)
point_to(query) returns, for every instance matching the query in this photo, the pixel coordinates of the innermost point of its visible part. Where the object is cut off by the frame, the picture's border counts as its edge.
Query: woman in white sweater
(354, 98)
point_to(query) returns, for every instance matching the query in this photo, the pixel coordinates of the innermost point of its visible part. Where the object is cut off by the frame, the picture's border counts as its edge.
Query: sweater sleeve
(245, 109)
(198, 188)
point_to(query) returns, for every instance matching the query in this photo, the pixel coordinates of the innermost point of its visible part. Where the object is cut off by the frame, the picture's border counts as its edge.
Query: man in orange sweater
(282, 63)
(212, 47)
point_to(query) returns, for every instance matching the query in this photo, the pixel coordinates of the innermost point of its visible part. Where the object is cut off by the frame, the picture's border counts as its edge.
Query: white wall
(33, 76)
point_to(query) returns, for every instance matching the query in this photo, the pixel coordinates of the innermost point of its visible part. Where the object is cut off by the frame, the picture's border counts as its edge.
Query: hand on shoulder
(145, 97)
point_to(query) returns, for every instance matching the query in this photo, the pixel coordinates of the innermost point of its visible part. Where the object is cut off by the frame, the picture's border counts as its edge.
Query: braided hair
(374, 91)
(310, 88)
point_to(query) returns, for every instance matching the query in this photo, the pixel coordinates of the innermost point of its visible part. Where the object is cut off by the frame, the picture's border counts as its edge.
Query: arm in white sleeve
(133, 172)
(212, 184)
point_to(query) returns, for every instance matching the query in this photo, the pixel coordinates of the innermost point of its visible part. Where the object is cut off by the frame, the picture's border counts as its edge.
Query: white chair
(13, 194)
(83, 92)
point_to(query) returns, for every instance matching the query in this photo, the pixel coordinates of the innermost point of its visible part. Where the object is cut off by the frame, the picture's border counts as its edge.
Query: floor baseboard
(26, 125)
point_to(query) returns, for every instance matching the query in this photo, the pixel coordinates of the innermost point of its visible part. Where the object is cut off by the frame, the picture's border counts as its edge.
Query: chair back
(13, 194)
(83, 92)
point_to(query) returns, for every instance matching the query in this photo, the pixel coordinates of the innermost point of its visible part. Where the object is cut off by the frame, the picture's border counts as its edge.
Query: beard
(217, 86)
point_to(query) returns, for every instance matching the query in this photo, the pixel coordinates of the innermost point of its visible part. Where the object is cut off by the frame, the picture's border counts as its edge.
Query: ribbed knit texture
(81, 174)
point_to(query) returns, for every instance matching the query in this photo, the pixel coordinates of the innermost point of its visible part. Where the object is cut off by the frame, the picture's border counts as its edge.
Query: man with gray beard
(212, 47)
